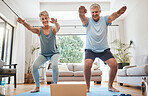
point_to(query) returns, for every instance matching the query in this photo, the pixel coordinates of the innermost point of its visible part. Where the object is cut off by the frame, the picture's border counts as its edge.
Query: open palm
(53, 20)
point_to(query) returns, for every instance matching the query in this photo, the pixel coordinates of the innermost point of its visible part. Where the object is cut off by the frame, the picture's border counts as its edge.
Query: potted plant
(122, 54)
(28, 74)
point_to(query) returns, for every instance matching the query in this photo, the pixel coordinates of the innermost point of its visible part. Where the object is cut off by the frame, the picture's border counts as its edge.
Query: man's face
(95, 12)
(44, 20)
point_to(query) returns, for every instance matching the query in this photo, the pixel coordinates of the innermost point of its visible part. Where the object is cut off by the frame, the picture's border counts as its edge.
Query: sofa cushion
(126, 67)
(79, 74)
(94, 67)
(63, 67)
(61, 73)
(136, 71)
(93, 73)
(121, 72)
(65, 73)
(70, 66)
(4, 71)
(141, 60)
(96, 72)
(78, 67)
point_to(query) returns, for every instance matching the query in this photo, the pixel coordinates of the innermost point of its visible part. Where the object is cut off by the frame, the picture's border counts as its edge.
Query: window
(71, 48)
(6, 39)
(2, 27)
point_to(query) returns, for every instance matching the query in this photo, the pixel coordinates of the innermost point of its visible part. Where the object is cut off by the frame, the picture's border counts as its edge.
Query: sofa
(74, 72)
(132, 75)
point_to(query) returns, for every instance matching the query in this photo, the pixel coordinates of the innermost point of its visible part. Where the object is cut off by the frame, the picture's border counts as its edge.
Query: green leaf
(122, 51)
(70, 49)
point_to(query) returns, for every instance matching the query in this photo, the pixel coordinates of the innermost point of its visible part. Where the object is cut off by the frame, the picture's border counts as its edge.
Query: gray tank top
(48, 43)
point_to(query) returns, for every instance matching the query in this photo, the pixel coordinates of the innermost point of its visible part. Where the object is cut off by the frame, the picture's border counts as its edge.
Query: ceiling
(65, 9)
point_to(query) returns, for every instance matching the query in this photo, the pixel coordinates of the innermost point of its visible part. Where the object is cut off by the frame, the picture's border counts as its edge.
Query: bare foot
(35, 90)
(113, 89)
(87, 90)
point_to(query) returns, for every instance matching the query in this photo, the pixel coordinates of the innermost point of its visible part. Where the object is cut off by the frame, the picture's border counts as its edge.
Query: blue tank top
(48, 43)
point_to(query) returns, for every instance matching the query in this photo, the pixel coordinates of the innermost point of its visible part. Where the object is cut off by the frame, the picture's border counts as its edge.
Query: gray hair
(95, 5)
(45, 13)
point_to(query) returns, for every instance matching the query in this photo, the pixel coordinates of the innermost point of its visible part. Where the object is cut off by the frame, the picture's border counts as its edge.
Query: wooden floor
(21, 88)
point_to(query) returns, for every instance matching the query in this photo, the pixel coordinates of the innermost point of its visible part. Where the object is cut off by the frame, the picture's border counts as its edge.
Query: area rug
(94, 91)
(102, 91)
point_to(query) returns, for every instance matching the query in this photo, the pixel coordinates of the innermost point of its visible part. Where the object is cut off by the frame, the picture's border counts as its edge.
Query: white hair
(95, 5)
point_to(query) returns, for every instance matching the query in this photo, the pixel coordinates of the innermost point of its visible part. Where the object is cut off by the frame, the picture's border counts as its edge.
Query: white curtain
(113, 34)
(18, 56)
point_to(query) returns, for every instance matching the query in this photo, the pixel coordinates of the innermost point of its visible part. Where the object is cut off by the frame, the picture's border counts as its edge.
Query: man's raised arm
(116, 14)
(82, 12)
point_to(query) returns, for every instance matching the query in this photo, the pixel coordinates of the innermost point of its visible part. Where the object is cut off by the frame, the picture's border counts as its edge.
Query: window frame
(3, 42)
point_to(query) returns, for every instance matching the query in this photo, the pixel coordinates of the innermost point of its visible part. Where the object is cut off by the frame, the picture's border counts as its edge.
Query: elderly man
(96, 41)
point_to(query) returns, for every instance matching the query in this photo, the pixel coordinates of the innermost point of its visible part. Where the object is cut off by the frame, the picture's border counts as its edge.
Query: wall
(18, 53)
(7, 14)
(136, 27)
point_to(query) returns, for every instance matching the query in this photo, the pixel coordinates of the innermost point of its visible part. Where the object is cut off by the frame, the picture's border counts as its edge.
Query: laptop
(68, 89)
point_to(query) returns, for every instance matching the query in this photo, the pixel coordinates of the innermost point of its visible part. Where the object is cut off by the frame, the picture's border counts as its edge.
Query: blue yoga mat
(94, 91)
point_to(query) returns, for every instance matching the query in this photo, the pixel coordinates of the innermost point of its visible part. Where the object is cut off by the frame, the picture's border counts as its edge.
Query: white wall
(18, 53)
(136, 27)
(7, 14)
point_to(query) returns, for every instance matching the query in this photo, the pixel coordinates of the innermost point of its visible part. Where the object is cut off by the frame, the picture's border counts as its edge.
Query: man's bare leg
(112, 73)
(87, 72)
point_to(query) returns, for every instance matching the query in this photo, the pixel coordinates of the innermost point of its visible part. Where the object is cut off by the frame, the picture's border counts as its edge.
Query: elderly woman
(49, 51)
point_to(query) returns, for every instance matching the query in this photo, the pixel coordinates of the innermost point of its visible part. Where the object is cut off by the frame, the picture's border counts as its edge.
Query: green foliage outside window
(70, 48)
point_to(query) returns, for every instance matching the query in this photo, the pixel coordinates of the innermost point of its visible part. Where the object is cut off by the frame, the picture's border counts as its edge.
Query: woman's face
(44, 20)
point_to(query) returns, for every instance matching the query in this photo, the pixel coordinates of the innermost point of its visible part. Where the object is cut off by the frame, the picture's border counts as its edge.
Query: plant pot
(29, 78)
(120, 66)
(125, 64)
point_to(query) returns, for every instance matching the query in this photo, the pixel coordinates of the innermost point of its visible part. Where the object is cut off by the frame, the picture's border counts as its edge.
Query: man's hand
(53, 20)
(122, 10)
(115, 15)
(82, 10)
(20, 20)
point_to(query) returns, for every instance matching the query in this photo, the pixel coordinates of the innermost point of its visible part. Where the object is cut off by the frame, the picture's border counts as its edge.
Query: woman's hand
(53, 20)
(20, 20)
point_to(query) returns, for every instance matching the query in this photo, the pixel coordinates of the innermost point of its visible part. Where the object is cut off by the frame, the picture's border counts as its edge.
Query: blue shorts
(102, 55)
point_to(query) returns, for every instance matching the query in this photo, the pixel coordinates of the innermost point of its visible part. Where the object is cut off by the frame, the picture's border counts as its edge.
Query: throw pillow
(63, 67)
(1, 64)
(94, 67)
